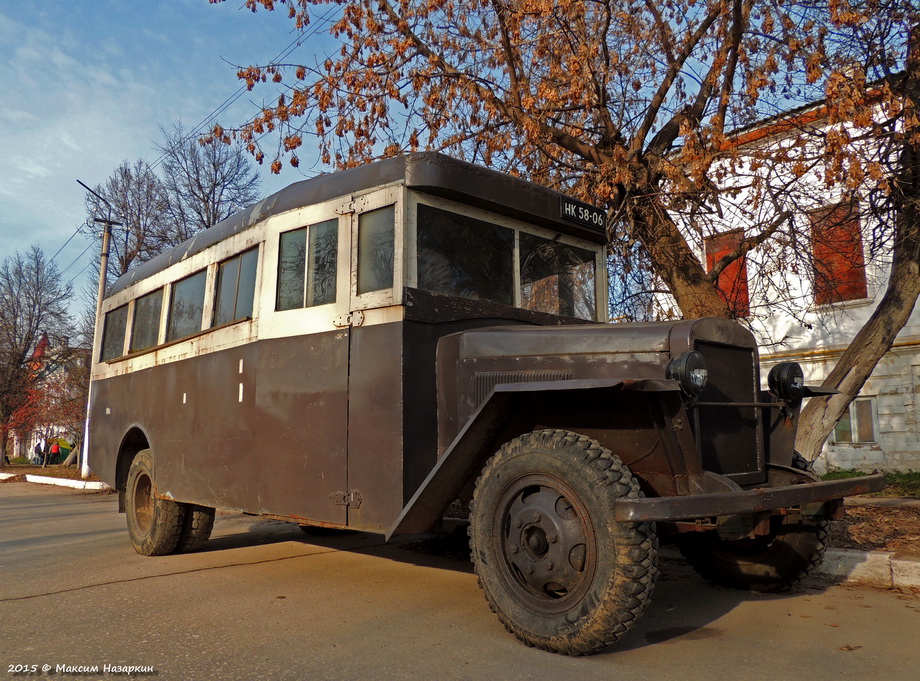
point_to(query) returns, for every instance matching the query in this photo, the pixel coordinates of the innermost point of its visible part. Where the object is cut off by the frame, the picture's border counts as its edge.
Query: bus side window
(146, 321)
(292, 263)
(324, 246)
(113, 335)
(306, 266)
(186, 306)
(376, 235)
(236, 287)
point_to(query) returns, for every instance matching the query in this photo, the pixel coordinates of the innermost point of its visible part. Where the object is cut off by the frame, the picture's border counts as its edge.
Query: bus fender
(476, 443)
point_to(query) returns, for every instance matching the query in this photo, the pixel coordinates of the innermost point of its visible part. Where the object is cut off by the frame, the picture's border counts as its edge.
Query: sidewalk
(882, 501)
(60, 482)
(882, 569)
(885, 569)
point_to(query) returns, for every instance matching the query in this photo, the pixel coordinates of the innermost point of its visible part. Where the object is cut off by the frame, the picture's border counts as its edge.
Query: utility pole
(107, 225)
(103, 260)
(106, 238)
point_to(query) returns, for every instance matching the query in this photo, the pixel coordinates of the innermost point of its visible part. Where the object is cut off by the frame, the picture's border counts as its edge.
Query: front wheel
(771, 563)
(553, 563)
(154, 525)
(774, 562)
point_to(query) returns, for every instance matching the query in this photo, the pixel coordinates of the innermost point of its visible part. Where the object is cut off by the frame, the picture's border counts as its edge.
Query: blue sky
(89, 82)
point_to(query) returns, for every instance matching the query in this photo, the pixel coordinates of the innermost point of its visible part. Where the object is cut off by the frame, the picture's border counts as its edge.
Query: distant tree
(197, 187)
(204, 183)
(632, 105)
(134, 196)
(33, 302)
(55, 403)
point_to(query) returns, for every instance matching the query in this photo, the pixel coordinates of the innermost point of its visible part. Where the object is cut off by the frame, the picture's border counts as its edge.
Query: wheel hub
(546, 541)
(143, 496)
(534, 538)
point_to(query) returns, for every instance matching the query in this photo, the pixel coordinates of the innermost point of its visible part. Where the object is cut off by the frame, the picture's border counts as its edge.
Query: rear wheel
(197, 524)
(554, 565)
(154, 525)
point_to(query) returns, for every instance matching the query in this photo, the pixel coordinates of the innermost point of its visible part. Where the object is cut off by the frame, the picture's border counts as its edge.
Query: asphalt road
(263, 601)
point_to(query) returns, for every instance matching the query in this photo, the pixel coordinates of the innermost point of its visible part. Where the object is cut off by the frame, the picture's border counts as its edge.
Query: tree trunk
(674, 261)
(4, 437)
(877, 336)
(859, 360)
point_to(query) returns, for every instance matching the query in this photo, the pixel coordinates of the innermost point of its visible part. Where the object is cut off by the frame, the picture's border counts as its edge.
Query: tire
(772, 563)
(197, 523)
(154, 525)
(559, 572)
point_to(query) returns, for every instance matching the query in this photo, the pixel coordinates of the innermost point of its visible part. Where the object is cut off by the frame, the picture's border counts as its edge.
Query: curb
(880, 569)
(874, 568)
(60, 482)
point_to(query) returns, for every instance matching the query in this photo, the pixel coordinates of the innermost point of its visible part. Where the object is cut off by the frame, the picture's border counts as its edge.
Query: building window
(236, 287)
(146, 327)
(839, 266)
(186, 306)
(857, 425)
(732, 282)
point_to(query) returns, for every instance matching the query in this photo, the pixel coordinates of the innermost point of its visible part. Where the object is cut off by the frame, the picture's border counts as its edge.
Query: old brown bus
(364, 348)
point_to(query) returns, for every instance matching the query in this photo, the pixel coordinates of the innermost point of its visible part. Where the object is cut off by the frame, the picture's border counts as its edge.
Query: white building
(819, 282)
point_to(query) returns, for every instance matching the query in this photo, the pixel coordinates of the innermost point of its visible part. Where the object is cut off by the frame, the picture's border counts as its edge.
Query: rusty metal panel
(448, 477)
(683, 335)
(487, 380)
(302, 396)
(730, 436)
(375, 418)
(515, 408)
(420, 392)
(581, 352)
(220, 441)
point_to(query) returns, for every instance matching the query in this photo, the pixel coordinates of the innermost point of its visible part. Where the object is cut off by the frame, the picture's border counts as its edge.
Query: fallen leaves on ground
(878, 528)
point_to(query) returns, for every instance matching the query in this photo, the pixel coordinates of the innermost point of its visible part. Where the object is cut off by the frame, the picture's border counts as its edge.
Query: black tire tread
(168, 516)
(196, 528)
(637, 545)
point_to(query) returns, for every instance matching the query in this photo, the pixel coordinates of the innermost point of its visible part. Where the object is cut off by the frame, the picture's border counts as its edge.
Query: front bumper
(746, 501)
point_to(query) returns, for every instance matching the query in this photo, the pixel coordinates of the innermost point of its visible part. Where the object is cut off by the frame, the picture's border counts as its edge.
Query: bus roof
(426, 171)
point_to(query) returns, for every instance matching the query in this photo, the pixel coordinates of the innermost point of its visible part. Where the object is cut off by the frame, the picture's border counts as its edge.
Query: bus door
(303, 372)
(375, 414)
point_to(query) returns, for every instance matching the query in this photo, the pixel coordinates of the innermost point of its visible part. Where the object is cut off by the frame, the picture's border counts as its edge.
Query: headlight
(787, 381)
(690, 371)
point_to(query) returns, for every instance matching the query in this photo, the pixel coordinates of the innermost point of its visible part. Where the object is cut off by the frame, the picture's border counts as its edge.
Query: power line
(223, 106)
(75, 232)
(74, 261)
(77, 275)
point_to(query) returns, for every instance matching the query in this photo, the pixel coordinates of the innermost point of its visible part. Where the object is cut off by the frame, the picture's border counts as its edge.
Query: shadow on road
(683, 605)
